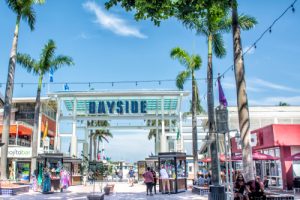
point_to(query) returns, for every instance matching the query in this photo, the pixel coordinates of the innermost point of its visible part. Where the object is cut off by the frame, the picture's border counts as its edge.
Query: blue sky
(111, 46)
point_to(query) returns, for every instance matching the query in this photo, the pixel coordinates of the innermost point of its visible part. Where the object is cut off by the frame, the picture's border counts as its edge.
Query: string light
(269, 29)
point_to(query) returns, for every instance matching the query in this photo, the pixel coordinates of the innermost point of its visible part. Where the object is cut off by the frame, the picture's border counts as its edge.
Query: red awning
(208, 159)
(20, 128)
(295, 157)
(255, 156)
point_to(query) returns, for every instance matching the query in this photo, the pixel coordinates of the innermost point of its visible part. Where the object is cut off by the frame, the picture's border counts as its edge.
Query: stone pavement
(121, 192)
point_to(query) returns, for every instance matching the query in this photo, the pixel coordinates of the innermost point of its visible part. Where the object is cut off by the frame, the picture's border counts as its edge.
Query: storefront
(175, 165)
(19, 159)
(276, 140)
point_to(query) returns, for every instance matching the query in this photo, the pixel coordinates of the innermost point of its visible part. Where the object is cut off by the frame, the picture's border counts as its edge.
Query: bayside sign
(118, 107)
(19, 152)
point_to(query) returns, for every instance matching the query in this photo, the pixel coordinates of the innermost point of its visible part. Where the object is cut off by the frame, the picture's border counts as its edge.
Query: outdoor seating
(200, 190)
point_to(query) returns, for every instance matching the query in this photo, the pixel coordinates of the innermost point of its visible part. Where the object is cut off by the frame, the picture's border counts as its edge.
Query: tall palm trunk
(35, 142)
(194, 126)
(211, 119)
(91, 147)
(242, 101)
(8, 100)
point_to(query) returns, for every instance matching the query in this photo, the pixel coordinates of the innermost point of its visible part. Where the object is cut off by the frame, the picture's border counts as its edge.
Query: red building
(281, 140)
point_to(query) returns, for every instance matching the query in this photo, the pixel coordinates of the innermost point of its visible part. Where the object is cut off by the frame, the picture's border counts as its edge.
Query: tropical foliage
(47, 61)
(23, 10)
(191, 63)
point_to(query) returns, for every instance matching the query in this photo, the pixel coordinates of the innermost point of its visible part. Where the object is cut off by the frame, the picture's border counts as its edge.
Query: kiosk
(54, 162)
(141, 169)
(73, 166)
(175, 164)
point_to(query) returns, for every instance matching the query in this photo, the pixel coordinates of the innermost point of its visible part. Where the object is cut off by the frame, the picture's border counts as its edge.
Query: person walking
(154, 180)
(148, 179)
(164, 176)
(131, 177)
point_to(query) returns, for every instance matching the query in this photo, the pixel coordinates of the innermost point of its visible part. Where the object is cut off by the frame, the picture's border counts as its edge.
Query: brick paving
(121, 192)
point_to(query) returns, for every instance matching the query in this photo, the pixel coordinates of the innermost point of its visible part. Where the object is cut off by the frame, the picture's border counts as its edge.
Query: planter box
(14, 191)
(96, 196)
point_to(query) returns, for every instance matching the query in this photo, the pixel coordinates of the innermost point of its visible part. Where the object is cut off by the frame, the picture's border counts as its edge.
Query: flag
(45, 131)
(51, 75)
(67, 87)
(222, 98)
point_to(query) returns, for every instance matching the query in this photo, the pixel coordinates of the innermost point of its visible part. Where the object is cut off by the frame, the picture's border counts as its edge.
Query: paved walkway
(122, 192)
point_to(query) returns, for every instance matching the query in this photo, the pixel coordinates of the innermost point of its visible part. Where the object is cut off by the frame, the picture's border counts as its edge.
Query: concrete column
(286, 167)
(157, 139)
(163, 142)
(180, 131)
(57, 136)
(74, 124)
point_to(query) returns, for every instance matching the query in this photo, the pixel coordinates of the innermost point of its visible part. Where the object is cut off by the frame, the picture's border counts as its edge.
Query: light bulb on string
(293, 9)
(159, 83)
(21, 85)
(270, 30)
(112, 84)
(136, 83)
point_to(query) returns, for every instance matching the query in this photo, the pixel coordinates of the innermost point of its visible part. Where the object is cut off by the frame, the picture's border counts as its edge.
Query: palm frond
(246, 22)
(151, 134)
(196, 24)
(27, 62)
(38, 1)
(225, 25)
(28, 14)
(47, 56)
(13, 5)
(180, 55)
(181, 78)
(196, 62)
(218, 45)
(61, 60)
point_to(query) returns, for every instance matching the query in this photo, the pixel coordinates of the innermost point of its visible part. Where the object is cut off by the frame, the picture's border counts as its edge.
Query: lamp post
(218, 191)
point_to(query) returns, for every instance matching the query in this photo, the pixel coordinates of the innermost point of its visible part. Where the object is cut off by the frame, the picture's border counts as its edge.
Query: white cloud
(294, 100)
(231, 86)
(111, 22)
(249, 49)
(275, 86)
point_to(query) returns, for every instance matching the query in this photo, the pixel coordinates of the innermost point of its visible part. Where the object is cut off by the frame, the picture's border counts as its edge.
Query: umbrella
(208, 159)
(295, 157)
(255, 156)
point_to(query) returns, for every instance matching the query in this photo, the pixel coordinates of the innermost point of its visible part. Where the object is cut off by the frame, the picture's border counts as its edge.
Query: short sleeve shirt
(164, 174)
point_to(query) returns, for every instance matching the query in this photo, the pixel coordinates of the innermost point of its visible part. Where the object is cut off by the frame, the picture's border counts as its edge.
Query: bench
(200, 190)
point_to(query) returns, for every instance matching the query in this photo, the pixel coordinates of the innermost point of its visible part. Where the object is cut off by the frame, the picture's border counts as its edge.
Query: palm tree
(24, 10)
(100, 135)
(212, 28)
(48, 60)
(242, 100)
(191, 64)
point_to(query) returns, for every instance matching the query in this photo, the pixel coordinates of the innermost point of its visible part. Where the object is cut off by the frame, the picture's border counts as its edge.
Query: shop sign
(118, 107)
(19, 152)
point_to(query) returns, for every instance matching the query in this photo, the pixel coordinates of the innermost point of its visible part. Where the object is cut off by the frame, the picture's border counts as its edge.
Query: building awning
(21, 129)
